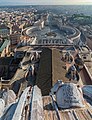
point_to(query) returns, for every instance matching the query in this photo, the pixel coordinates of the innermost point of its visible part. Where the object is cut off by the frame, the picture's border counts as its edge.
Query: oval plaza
(52, 31)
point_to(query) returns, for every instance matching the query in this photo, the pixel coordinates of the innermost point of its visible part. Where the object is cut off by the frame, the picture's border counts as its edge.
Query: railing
(55, 106)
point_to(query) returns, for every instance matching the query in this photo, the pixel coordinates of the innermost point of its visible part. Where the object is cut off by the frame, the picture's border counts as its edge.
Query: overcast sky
(48, 2)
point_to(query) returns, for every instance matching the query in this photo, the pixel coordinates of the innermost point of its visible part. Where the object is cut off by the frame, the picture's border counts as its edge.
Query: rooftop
(68, 114)
(3, 26)
(6, 42)
(51, 69)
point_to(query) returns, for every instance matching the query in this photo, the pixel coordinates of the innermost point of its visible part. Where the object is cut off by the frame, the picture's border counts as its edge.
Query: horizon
(44, 2)
(46, 5)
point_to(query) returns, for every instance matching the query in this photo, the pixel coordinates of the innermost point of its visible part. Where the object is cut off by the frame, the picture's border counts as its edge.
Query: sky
(47, 2)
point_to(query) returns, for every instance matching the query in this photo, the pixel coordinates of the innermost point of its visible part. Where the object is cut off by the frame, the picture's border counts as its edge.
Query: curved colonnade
(72, 34)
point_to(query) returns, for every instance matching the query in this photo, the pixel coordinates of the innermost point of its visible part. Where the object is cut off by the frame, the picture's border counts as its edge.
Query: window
(84, 57)
(28, 54)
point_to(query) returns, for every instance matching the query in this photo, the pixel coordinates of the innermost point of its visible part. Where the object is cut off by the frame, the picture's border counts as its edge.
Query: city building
(5, 48)
(4, 31)
(15, 38)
